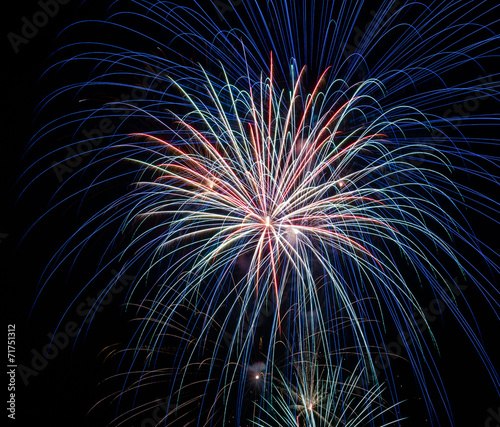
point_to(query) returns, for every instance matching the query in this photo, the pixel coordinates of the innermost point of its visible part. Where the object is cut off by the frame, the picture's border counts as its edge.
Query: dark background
(64, 391)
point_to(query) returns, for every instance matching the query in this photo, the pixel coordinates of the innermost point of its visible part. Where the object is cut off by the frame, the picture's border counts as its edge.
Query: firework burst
(274, 179)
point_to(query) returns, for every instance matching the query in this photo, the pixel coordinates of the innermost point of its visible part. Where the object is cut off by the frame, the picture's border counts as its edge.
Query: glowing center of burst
(292, 231)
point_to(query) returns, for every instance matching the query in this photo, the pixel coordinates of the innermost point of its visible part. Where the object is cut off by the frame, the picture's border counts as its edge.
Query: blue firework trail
(280, 161)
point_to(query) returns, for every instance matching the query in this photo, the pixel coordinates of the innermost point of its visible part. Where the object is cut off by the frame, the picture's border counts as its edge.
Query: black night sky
(61, 391)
